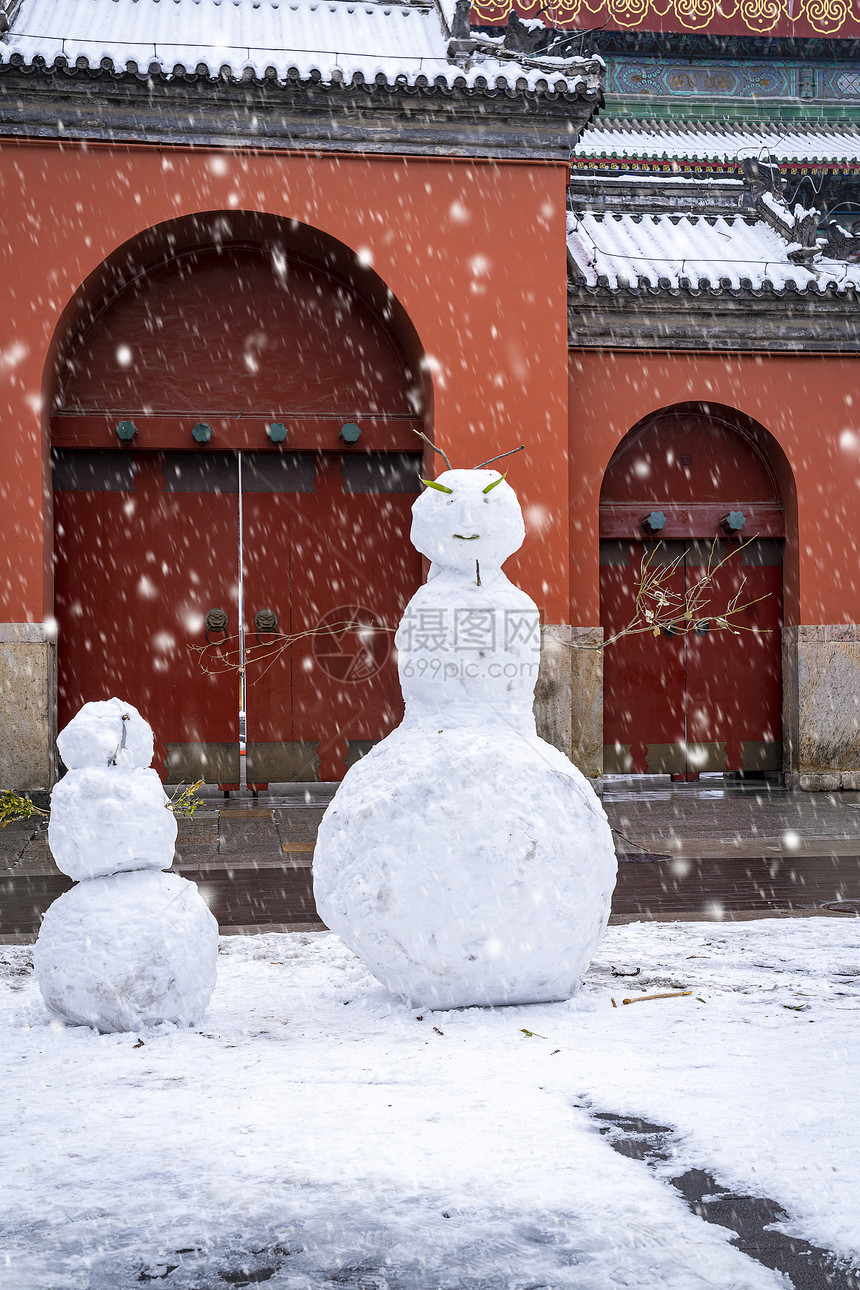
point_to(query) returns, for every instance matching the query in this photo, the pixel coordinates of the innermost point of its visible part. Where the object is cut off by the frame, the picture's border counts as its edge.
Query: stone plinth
(568, 703)
(821, 706)
(28, 701)
(586, 668)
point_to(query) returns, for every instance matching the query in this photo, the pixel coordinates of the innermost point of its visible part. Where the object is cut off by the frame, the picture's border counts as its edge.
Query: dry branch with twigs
(214, 663)
(657, 607)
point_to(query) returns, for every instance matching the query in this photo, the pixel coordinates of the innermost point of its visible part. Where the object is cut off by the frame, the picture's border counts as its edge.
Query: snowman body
(110, 819)
(464, 859)
(128, 946)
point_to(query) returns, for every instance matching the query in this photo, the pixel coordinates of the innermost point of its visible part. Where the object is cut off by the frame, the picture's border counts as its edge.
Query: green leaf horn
(495, 482)
(442, 488)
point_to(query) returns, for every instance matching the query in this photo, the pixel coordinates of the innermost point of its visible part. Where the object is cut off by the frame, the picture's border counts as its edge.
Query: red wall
(809, 404)
(474, 252)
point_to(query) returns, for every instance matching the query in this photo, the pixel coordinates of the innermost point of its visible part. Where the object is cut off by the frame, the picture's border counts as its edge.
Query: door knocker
(265, 623)
(215, 621)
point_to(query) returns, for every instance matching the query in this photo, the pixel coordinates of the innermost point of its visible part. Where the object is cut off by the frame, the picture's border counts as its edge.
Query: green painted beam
(646, 107)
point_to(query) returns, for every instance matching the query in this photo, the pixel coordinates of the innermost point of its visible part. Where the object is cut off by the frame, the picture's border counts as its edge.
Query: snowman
(128, 946)
(464, 859)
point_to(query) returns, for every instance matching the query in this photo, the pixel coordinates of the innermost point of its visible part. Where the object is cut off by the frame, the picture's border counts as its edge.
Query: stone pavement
(725, 817)
(719, 849)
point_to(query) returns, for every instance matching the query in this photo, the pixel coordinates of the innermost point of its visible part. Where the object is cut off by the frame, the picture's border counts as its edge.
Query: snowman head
(466, 516)
(106, 732)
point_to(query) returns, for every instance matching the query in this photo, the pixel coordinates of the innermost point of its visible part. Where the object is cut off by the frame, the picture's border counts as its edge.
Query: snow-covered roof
(330, 41)
(693, 251)
(713, 141)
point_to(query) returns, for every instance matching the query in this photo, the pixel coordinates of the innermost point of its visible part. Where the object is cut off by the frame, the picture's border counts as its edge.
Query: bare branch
(269, 650)
(422, 435)
(656, 607)
(509, 453)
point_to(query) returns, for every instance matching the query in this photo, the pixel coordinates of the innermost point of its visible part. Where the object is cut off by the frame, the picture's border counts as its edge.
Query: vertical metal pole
(686, 693)
(243, 745)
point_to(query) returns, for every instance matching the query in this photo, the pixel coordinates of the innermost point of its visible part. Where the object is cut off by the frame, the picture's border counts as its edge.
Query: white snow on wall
(712, 142)
(333, 40)
(690, 250)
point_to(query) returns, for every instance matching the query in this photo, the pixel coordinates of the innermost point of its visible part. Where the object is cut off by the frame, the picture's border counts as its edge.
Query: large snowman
(128, 946)
(464, 859)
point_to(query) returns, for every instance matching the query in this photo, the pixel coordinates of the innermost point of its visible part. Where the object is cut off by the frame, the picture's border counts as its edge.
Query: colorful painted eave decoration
(671, 166)
(803, 18)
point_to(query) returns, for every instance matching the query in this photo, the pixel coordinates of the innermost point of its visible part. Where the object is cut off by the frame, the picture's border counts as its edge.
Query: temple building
(255, 249)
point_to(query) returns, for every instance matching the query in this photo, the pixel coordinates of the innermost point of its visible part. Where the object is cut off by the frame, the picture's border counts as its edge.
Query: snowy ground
(315, 1132)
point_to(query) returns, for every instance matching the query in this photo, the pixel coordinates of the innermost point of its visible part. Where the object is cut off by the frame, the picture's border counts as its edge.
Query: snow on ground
(315, 1132)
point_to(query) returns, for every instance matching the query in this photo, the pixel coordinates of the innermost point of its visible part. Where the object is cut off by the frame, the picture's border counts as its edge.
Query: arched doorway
(234, 352)
(684, 702)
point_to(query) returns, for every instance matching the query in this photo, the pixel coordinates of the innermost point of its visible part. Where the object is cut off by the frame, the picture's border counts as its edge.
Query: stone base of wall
(823, 781)
(28, 690)
(821, 707)
(569, 694)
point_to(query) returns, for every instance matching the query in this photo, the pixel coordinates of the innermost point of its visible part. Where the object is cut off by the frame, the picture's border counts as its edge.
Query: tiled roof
(693, 252)
(330, 41)
(710, 140)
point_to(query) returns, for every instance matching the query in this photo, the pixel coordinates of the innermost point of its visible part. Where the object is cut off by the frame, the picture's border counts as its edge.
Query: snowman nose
(468, 525)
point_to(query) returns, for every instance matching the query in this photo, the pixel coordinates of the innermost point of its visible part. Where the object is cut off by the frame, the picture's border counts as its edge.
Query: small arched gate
(705, 699)
(212, 355)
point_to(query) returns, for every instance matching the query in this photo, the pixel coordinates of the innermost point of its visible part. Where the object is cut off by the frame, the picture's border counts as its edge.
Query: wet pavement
(752, 1220)
(723, 817)
(718, 849)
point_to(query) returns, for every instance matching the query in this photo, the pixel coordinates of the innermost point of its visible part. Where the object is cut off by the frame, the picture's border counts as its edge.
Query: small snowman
(464, 859)
(128, 946)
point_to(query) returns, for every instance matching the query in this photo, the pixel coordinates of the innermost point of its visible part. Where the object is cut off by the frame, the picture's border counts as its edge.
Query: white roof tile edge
(366, 48)
(733, 253)
(704, 143)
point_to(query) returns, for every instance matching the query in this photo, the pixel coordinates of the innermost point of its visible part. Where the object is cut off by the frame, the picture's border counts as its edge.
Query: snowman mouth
(463, 538)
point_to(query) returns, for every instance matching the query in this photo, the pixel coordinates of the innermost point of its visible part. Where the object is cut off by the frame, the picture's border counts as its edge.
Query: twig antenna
(509, 453)
(422, 435)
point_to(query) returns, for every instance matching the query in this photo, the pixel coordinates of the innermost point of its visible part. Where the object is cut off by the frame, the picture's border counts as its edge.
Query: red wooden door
(134, 564)
(733, 690)
(337, 567)
(706, 699)
(149, 542)
(643, 675)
